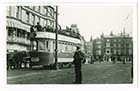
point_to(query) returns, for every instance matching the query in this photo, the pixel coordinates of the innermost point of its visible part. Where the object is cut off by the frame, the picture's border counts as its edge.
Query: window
(17, 12)
(119, 51)
(130, 44)
(127, 44)
(59, 47)
(48, 23)
(63, 48)
(33, 7)
(9, 32)
(33, 19)
(108, 40)
(45, 11)
(38, 19)
(98, 42)
(52, 25)
(74, 48)
(107, 44)
(45, 22)
(98, 52)
(38, 8)
(70, 48)
(98, 46)
(27, 17)
(49, 13)
(22, 33)
(41, 45)
(115, 45)
(114, 51)
(9, 10)
(18, 33)
(34, 45)
(28, 35)
(47, 44)
(41, 9)
(119, 45)
(130, 52)
(107, 51)
(54, 45)
(66, 48)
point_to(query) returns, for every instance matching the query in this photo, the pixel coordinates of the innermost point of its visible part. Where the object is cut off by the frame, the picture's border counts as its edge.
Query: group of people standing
(112, 59)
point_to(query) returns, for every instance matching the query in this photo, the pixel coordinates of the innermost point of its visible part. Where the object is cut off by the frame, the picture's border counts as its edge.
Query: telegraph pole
(56, 39)
(124, 48)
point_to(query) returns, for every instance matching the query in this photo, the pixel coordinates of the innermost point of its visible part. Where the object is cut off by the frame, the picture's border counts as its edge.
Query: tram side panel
(46, 58)
(41, 58)
(65, 57)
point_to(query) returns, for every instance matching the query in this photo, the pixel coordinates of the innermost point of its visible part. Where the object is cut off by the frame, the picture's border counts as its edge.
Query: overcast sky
(93, 20)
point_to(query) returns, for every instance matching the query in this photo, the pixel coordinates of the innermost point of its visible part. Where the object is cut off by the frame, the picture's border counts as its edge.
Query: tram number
(35, 59)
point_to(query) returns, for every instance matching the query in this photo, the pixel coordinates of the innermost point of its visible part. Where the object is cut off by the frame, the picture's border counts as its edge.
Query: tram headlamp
(35, 59)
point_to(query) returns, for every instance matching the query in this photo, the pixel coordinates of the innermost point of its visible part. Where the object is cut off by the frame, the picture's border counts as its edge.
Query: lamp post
(56, 39)
(124, 43)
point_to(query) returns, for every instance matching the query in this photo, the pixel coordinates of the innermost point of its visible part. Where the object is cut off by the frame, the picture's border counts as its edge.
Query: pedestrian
(132, 71)
(113, 59)
(131, 74)
(92, 60)
(124, 59)
(78, 57)
(39, 27)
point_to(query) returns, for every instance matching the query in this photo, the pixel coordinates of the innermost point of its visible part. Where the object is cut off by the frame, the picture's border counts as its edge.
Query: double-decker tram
(43, 48)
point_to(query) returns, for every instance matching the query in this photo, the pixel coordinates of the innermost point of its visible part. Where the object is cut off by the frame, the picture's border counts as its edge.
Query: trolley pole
(56, 39)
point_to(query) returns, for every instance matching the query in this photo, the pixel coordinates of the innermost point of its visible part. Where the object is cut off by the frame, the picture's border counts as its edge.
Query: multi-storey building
(88, 50)
(89, 47)
(116, 46)
(19, 21)
(83, 44)
(97, 48)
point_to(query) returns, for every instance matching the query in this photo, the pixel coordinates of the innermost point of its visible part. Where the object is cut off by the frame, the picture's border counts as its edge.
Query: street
(98, 73)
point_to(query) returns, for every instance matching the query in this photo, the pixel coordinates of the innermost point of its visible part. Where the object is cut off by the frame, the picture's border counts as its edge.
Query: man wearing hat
(78, 57)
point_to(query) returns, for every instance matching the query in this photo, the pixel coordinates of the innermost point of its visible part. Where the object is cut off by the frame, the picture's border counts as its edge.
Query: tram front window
(34, 45)
(41, 45)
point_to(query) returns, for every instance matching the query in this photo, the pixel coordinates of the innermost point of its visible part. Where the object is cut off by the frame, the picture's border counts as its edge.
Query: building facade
(114, 47)
(19, 20)
(97, 48)
(83, 44)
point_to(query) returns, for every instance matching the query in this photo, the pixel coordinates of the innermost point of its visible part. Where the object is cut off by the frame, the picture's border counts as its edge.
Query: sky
(93, 20)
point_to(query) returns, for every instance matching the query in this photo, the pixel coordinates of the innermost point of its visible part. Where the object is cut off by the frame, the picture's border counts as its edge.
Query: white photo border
(70, 87)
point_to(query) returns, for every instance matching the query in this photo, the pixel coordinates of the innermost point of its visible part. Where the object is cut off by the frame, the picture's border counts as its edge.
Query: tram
(43, 47)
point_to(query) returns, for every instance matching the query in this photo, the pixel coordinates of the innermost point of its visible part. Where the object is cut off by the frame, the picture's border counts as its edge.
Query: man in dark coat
(78, 57)
(39, 27)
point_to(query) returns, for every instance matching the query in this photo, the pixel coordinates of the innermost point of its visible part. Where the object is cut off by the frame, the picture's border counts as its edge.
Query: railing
(63, 32)
(18, 40)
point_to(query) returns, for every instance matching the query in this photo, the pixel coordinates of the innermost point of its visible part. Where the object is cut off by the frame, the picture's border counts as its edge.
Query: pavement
(98, 73)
